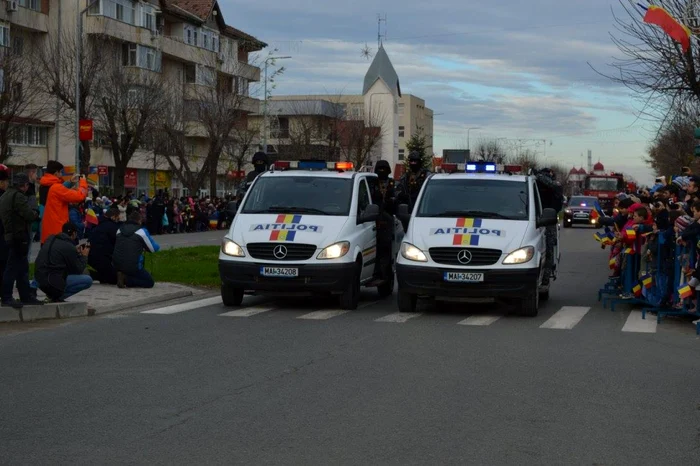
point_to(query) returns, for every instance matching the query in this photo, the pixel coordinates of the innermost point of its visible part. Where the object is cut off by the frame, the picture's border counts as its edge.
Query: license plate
(581, 214)
(464, 277)
(286, 272)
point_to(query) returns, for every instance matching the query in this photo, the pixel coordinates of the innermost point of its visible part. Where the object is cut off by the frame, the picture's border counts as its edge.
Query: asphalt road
(181, 240)
(199, 387)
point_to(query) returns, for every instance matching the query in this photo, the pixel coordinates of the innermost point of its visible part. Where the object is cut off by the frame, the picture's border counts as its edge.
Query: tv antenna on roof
(381, 37)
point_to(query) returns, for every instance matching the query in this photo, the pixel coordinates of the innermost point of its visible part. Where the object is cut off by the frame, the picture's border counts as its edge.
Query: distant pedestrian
(56, 198)
(103, 239)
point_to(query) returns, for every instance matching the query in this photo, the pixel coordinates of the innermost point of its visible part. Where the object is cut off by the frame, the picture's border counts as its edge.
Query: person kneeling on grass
(60, 265)
(132, 241)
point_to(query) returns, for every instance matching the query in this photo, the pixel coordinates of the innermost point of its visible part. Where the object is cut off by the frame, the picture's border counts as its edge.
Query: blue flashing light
(311, 165)
(480, 168)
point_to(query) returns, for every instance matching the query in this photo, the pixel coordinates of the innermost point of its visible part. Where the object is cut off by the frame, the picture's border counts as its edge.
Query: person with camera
(60, 265)
(56, 198)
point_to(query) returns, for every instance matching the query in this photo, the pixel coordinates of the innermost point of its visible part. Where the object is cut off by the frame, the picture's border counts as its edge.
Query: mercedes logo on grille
(280, 252)
(464, 256)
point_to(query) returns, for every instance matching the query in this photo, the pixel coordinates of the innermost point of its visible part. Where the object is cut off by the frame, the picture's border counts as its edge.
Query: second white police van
(305, 228)
(478, 232)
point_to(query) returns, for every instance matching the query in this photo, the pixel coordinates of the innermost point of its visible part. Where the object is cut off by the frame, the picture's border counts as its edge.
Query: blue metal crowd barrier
(656, 288)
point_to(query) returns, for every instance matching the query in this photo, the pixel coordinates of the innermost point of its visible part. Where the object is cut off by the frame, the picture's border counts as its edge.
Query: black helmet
(260, 161)
(382, 167)
(414, 156)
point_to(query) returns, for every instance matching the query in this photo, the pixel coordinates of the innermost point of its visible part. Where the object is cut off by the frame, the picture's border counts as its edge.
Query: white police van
(478, 232)
(305, 228)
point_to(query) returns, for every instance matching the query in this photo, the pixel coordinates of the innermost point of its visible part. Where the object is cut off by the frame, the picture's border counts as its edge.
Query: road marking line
(174, 309)
(636, 324)
(364, 305)
(566, 318)
(247, 312)
(481, 321)
(321, 315)
(399, 317)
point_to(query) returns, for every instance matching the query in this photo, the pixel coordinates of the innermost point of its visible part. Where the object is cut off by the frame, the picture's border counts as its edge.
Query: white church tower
(381, 92)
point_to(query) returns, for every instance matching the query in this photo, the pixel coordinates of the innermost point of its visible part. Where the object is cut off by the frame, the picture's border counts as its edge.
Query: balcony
(125, 32)
(175, 47)
(244, 70)
(25, 18)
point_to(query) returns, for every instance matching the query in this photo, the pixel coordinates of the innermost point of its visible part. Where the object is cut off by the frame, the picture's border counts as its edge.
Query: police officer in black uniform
(384, 195)
(552, 197)
(260, 164)
(411, 182)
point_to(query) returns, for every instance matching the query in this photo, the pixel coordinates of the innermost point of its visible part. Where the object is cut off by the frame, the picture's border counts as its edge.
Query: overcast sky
(516, 70)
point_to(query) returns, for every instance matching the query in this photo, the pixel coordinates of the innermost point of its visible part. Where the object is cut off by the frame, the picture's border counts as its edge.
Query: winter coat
(56, 197)
(16, 215)
(132, 241)
(57, 259)
(103, 239)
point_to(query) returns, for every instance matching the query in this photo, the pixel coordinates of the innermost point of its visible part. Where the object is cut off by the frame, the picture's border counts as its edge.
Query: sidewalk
(100, 299)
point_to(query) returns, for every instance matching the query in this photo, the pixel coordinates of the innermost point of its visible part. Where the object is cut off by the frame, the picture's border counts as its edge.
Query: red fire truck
(605, 188)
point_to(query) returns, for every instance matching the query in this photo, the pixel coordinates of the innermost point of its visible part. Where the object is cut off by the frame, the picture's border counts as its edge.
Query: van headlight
(334, 251)
(520, 256)
(412, 253)
(232, 249)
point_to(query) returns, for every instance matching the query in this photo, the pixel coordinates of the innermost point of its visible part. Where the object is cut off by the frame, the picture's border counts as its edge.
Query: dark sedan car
(578, 211)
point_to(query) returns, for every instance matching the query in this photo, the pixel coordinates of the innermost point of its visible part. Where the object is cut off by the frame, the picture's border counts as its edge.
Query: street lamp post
(267, 61)
(78, 75)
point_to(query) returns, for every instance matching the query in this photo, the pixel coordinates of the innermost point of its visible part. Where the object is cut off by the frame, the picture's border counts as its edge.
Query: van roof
(479, 176)
(314, 174)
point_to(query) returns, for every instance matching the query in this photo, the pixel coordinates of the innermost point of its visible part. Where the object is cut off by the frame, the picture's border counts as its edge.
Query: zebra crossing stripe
(177, 308)
(399, 317)
(247, 312)
(480, 321)
(321, 315)
(635, 323)
(566, 318)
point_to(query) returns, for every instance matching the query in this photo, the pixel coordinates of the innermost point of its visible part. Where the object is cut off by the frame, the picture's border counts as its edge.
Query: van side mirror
(403, 214)
(548, 218)
(371, 214)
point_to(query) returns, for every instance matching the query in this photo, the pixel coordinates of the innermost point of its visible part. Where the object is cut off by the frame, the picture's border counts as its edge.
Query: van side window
(538, 202)
(363, 197)
(373, 182)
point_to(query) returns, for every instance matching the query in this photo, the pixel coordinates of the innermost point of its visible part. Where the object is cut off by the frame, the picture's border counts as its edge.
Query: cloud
(516, 70)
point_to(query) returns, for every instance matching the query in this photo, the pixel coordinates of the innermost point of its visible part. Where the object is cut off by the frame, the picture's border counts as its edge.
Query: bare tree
(359, 140)
(243, 143)
(307, 128)
(527, 159)
(489, 150)
(653, 65)
(675, 144)
(131, 103)
(55, 70)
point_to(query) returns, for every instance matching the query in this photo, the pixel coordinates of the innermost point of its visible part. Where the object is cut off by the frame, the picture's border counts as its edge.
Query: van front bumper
(312, 279)
(498, 283)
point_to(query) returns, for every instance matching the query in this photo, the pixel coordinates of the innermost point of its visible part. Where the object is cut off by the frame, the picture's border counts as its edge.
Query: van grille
(295, 252)
(448, 256)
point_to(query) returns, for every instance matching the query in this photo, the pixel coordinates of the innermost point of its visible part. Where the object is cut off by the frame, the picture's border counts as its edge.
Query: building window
(140, 56)
(148, 17)
(4, 35)
(30, 136)
(242, 86)
(31, 4)
(401, 131)
(400, 109)
(202, 75)
(190, 35)
(401, 153)
(17, 45)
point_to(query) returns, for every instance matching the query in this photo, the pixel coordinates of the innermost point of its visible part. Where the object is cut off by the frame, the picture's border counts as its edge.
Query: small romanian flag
(598, 237)
(282, 235)
(637, 290)
(629, 251)
(631, 233)
(607, 240)
(91, 217)
(647, 281)
(685, 291)
(213, 224)
(612, 263)
(465, 240)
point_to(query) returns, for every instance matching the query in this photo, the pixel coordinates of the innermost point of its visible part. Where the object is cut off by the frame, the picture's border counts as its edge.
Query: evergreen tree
(417, 143)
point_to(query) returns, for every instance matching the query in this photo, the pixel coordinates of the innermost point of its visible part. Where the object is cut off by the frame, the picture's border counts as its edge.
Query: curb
(48, 311)
(144, 301)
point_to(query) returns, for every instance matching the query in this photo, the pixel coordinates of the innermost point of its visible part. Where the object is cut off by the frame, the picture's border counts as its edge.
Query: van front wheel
(231, 296)
(351, 296)
(529, 304)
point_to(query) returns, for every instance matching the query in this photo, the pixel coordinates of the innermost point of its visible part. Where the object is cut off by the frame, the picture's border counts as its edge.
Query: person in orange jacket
(56, 197)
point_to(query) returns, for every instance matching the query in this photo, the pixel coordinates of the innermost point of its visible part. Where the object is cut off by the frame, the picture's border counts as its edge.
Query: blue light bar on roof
(480, 168)
(311, 165)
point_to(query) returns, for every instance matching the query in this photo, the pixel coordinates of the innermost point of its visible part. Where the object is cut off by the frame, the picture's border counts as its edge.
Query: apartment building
(186, 42)
(413, 116)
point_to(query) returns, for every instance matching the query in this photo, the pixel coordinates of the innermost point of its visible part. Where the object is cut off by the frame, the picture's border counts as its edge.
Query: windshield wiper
(471, 213)
(295, 209)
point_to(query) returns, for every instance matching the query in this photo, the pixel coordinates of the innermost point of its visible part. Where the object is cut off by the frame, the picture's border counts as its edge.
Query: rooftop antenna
(381, 37)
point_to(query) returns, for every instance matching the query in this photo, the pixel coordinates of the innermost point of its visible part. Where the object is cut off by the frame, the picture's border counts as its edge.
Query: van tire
(407, 302)
(529, 305)
(350, 298)
(231, 296)
(544, 295)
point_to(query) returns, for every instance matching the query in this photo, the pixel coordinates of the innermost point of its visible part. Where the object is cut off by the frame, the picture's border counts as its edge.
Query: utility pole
(78, 77)
(58, 101)
(469, 147)
(267, 61)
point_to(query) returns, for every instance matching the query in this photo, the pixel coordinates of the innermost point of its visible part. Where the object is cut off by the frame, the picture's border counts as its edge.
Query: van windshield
(475, 198)
(300, 194)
